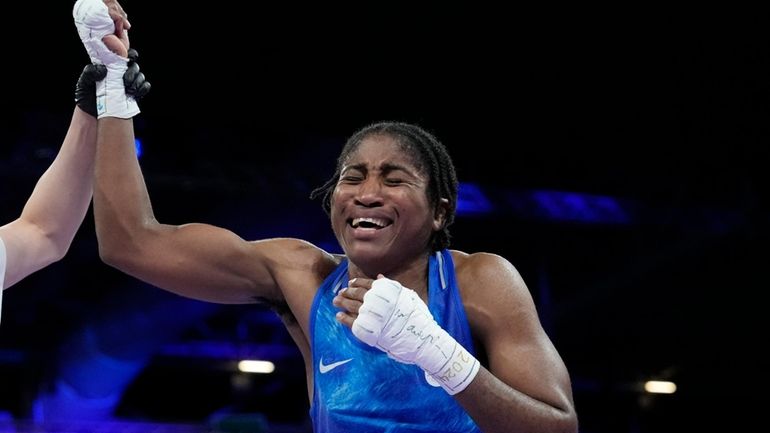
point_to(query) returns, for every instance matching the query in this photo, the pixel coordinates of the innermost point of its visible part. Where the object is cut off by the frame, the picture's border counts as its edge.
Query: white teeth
(376, 221)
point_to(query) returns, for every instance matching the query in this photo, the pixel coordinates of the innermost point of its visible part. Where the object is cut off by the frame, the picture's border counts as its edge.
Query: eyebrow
(386, 168)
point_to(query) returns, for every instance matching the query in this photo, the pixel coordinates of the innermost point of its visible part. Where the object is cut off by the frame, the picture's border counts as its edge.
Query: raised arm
(59, 201)
(55, 209)
(194, 260)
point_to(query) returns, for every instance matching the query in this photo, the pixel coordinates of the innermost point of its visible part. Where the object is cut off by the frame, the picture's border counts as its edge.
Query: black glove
(85, 89)
(133, 80)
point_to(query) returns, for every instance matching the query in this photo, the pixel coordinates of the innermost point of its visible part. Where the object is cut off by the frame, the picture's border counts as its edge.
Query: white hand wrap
(93, 22)
(394, 319)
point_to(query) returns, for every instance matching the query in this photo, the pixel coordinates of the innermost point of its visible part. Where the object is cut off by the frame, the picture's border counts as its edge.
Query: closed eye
(351, 179)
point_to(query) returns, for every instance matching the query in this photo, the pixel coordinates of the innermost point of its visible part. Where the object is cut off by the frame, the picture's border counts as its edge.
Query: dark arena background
(618, 158)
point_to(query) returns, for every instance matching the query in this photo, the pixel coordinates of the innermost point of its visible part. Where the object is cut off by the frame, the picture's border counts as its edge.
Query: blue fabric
(357, 388)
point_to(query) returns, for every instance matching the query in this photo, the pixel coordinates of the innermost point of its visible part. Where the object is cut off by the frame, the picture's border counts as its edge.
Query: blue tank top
(357, 388)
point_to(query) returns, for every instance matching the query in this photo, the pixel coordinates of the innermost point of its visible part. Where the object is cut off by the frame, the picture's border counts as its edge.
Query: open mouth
(369, 223)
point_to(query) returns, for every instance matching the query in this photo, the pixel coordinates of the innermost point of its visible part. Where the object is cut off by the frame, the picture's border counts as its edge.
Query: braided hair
(430, 156)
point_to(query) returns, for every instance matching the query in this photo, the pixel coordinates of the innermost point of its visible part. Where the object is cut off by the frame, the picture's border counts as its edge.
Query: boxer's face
(379, 209)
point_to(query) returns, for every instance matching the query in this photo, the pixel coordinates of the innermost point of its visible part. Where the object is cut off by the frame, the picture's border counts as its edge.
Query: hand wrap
(394, 319)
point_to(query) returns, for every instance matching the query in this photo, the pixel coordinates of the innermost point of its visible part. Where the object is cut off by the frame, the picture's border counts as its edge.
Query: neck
(412, 274)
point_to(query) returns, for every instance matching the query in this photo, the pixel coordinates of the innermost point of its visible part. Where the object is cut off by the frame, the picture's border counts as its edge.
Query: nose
(369, 193)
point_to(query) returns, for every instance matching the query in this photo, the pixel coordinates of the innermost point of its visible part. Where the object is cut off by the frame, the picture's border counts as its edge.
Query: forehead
(382, 149)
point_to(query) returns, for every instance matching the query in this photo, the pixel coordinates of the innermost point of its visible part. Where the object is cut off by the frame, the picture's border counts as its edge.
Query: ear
(439, 216)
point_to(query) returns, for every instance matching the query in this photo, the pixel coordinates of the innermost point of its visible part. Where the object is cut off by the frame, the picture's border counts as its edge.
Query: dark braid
(429, 155)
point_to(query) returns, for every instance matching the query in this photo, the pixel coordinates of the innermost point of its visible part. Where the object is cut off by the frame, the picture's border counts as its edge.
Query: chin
(365, 254)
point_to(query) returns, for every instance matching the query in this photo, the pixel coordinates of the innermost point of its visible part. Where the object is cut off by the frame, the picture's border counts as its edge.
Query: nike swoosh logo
(323, 368)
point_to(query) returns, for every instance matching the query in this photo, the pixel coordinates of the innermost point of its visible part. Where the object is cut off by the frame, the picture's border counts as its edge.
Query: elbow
(563, 422)
(117, 245)
(57, 248)
(124, 252)
(569, 422)
(573, 427)
(113, 256)
(54, 254)
(115, 251)
(108, 255)
(562, 419)
(60, 249)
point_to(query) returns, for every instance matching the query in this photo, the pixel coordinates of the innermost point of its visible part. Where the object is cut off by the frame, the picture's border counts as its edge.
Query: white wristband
(459, 368)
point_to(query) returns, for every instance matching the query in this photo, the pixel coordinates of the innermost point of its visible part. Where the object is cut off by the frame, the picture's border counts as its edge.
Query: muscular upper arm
(209, 263)
(503, 317)
(28, 249)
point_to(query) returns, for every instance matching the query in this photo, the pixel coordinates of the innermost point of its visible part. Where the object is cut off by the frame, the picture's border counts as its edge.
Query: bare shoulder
(489, 270)
(493, 291)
